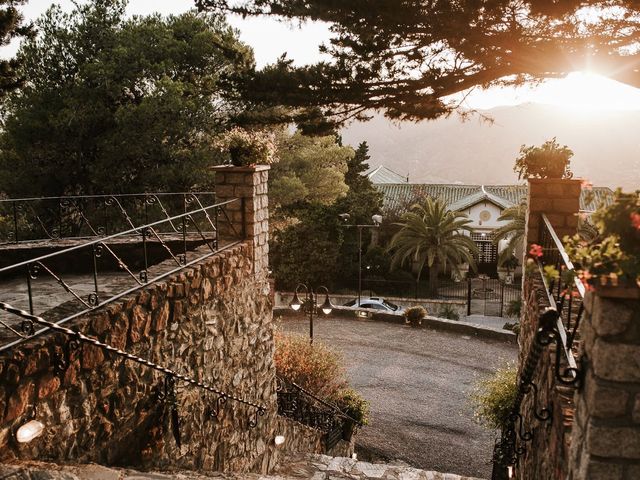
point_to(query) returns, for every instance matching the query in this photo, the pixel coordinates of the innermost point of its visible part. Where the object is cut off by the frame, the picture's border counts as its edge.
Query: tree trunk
(433, 280)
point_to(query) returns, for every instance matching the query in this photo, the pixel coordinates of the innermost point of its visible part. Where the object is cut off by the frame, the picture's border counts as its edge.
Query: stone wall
(546, 453)
(212, 321)
(99, 408)
(606, 436)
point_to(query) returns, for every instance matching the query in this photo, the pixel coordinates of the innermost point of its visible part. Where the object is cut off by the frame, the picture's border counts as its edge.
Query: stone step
(313, 467)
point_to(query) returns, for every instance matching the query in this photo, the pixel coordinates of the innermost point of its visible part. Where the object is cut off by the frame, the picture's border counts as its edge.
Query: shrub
(315, 367)
(493, 397)
(351, 403)
(547, 161)
(414, 315)
(514, 327)
(248, 147)
(447, 311)
(514, 307)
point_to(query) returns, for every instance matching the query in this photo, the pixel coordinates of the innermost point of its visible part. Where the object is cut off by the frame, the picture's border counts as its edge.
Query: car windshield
(390, 305)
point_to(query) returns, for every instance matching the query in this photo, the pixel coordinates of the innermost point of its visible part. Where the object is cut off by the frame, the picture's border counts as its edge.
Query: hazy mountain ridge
(606, 144)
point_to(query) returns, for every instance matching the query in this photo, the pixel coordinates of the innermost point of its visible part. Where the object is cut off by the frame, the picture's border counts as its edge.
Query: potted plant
(550, 160)
(247, 148)
(414, 315)
(610, 262)
(351, 403)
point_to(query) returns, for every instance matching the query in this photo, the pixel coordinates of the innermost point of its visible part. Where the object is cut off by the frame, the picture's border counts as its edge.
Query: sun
(578, 91)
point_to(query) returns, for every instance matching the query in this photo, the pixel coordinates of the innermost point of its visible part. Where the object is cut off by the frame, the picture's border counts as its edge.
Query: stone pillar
(249, 184)
(559, 199)
(605, 440)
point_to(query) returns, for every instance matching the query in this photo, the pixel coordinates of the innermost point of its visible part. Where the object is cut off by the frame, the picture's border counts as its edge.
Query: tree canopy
(116, 105)
(405, 57)
(11, 27)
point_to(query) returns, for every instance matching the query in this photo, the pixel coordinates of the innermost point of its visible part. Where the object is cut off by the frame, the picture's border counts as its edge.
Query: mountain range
(482, 149)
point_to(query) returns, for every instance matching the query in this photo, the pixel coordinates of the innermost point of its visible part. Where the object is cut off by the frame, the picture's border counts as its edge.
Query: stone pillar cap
(243, 169)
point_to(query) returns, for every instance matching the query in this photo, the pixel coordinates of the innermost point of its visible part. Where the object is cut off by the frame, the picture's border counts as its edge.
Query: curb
(428, 322)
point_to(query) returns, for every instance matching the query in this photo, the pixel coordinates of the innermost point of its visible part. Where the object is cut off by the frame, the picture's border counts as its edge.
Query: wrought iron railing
(303, 406)
(165, 392)
(83, 216)
(558, 326)
(43, 285)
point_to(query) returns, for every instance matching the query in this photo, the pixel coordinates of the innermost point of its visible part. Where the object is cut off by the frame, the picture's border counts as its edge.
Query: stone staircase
(312, 467)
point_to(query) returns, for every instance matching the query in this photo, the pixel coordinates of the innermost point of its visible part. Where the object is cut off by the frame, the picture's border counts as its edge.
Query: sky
(270, 39)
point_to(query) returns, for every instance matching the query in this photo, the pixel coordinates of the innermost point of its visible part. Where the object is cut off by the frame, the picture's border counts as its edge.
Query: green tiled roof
(399, 195)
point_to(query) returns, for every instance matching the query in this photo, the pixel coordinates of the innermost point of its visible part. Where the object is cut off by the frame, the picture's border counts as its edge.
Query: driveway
(418, 382)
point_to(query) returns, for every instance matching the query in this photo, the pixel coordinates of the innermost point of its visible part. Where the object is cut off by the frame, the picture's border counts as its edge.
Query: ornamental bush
(351, 403)
(414, 315)
(494, 396)
(315, 367)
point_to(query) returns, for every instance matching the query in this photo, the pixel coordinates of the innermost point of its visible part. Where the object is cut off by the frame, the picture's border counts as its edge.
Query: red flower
(635, 220)
(536, 250)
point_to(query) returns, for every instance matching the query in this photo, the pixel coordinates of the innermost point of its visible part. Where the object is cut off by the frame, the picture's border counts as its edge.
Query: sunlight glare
(578, 91)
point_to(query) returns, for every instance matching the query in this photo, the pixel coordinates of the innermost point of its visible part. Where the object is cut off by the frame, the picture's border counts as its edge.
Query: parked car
(375, 303)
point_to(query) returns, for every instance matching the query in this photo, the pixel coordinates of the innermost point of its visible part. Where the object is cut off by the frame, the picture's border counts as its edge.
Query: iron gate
(491, 296)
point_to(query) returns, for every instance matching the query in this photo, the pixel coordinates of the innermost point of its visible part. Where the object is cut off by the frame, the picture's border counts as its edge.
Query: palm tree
(433, 236)
(512, 231)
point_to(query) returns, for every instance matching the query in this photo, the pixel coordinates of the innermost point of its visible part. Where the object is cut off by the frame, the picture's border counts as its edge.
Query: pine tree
(406, 57)
(11, 27)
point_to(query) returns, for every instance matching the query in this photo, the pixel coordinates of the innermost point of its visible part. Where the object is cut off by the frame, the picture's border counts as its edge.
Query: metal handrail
(563, 254)
(97, 246)
(333, 408)
(119, 234)
(80, 337)
(105, 196)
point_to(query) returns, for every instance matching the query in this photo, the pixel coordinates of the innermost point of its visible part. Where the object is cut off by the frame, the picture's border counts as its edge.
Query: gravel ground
(417, 381)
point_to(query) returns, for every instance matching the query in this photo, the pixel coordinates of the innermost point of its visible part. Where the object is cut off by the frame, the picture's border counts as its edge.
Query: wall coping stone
(243, 169)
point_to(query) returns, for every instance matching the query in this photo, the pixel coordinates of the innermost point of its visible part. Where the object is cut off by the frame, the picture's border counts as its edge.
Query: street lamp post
(377, 220)
(309, 303)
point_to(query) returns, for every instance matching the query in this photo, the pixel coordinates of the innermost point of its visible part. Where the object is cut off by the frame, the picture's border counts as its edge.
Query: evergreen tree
(115, 105)
(11, 27)
(406, 57)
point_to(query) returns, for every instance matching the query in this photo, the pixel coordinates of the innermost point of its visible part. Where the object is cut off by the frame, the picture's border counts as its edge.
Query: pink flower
(635, 220)
(536, 250)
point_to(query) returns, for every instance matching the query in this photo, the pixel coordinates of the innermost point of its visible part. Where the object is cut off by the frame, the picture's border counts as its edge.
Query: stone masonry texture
(605, 442)
(211, 321)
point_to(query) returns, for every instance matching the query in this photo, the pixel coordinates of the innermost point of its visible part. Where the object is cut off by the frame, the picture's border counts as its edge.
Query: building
(483, 204)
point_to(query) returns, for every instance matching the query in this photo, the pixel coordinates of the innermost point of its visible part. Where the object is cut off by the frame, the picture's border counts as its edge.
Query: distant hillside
(606, 144)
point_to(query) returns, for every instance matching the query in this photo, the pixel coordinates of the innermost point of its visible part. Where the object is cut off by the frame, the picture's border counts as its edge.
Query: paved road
(418, 383)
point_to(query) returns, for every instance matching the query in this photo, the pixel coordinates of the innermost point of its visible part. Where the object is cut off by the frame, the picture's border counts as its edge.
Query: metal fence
(297, 403)
(43, 285)
(83, 216)
(558, 330)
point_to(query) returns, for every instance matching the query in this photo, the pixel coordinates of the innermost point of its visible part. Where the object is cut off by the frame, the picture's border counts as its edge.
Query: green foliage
(514, 308)
(315, 368)
(414, 315)
(408, 57)
(11, 27)
(448, 311)
(432, 236)
(614, 252)
(248, 147)
(310, 170)
(493, 397)
(352, 403)
(513, 231)
(514, 327)
(547, 161)
(117, 105)
(307, 251)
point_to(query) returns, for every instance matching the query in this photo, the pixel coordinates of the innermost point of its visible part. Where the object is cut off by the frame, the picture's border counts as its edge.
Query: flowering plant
(248, 147)
(547, 161)
(613, 256)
